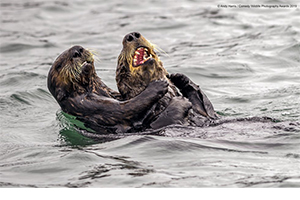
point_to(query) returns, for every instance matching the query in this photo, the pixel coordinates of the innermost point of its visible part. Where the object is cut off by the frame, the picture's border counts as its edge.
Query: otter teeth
(141, 55)
(134, 60)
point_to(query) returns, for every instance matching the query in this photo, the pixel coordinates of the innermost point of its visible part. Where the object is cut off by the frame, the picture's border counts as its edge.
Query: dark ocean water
(247, 60)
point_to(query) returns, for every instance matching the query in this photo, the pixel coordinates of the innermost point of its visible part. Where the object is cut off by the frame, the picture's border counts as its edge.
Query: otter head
(138, 65)
(71, 72)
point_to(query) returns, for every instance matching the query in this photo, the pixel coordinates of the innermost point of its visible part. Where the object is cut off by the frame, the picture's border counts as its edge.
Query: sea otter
(73, 82)
(138, 65)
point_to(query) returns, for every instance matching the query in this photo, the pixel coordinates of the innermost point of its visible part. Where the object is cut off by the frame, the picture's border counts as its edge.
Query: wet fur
(73, 82)
(173, 108)
(133, 80)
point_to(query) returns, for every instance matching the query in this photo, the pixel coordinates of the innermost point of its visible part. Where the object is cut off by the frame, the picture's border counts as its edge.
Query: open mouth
(141, 55)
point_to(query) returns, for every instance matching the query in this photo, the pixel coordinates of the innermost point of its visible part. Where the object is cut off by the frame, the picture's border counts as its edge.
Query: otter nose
(132, 36)
(77, 51)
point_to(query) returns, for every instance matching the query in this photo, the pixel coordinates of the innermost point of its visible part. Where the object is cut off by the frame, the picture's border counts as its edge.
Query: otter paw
(179, 80)
(159, 86)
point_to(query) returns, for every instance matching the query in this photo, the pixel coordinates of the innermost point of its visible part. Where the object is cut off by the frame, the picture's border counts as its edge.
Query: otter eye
(58, 67)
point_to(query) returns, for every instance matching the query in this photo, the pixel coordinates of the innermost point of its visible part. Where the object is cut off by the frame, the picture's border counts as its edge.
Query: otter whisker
(95, 54)
(96, 58)
(160, 50)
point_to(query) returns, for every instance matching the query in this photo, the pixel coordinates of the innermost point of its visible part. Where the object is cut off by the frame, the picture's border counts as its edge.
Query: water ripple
(246, 62)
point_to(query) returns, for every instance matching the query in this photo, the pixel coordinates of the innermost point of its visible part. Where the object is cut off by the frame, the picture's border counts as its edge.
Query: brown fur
(73, 82)
(132, 80)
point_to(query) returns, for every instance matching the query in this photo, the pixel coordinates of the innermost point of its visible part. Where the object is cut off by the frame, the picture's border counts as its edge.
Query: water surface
(246, 60)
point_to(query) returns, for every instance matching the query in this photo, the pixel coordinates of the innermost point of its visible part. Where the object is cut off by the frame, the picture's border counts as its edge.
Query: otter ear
(60, 94)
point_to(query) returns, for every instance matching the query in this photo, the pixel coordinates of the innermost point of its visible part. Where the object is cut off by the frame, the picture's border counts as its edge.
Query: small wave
(20, 98)
(34, 97)
(20, 78)
(17, 47)
(234, 129)
(293, 155)
(292, 52)
(9, 185)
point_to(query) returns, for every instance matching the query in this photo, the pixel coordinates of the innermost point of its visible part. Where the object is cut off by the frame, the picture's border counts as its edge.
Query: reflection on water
(246, 60)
